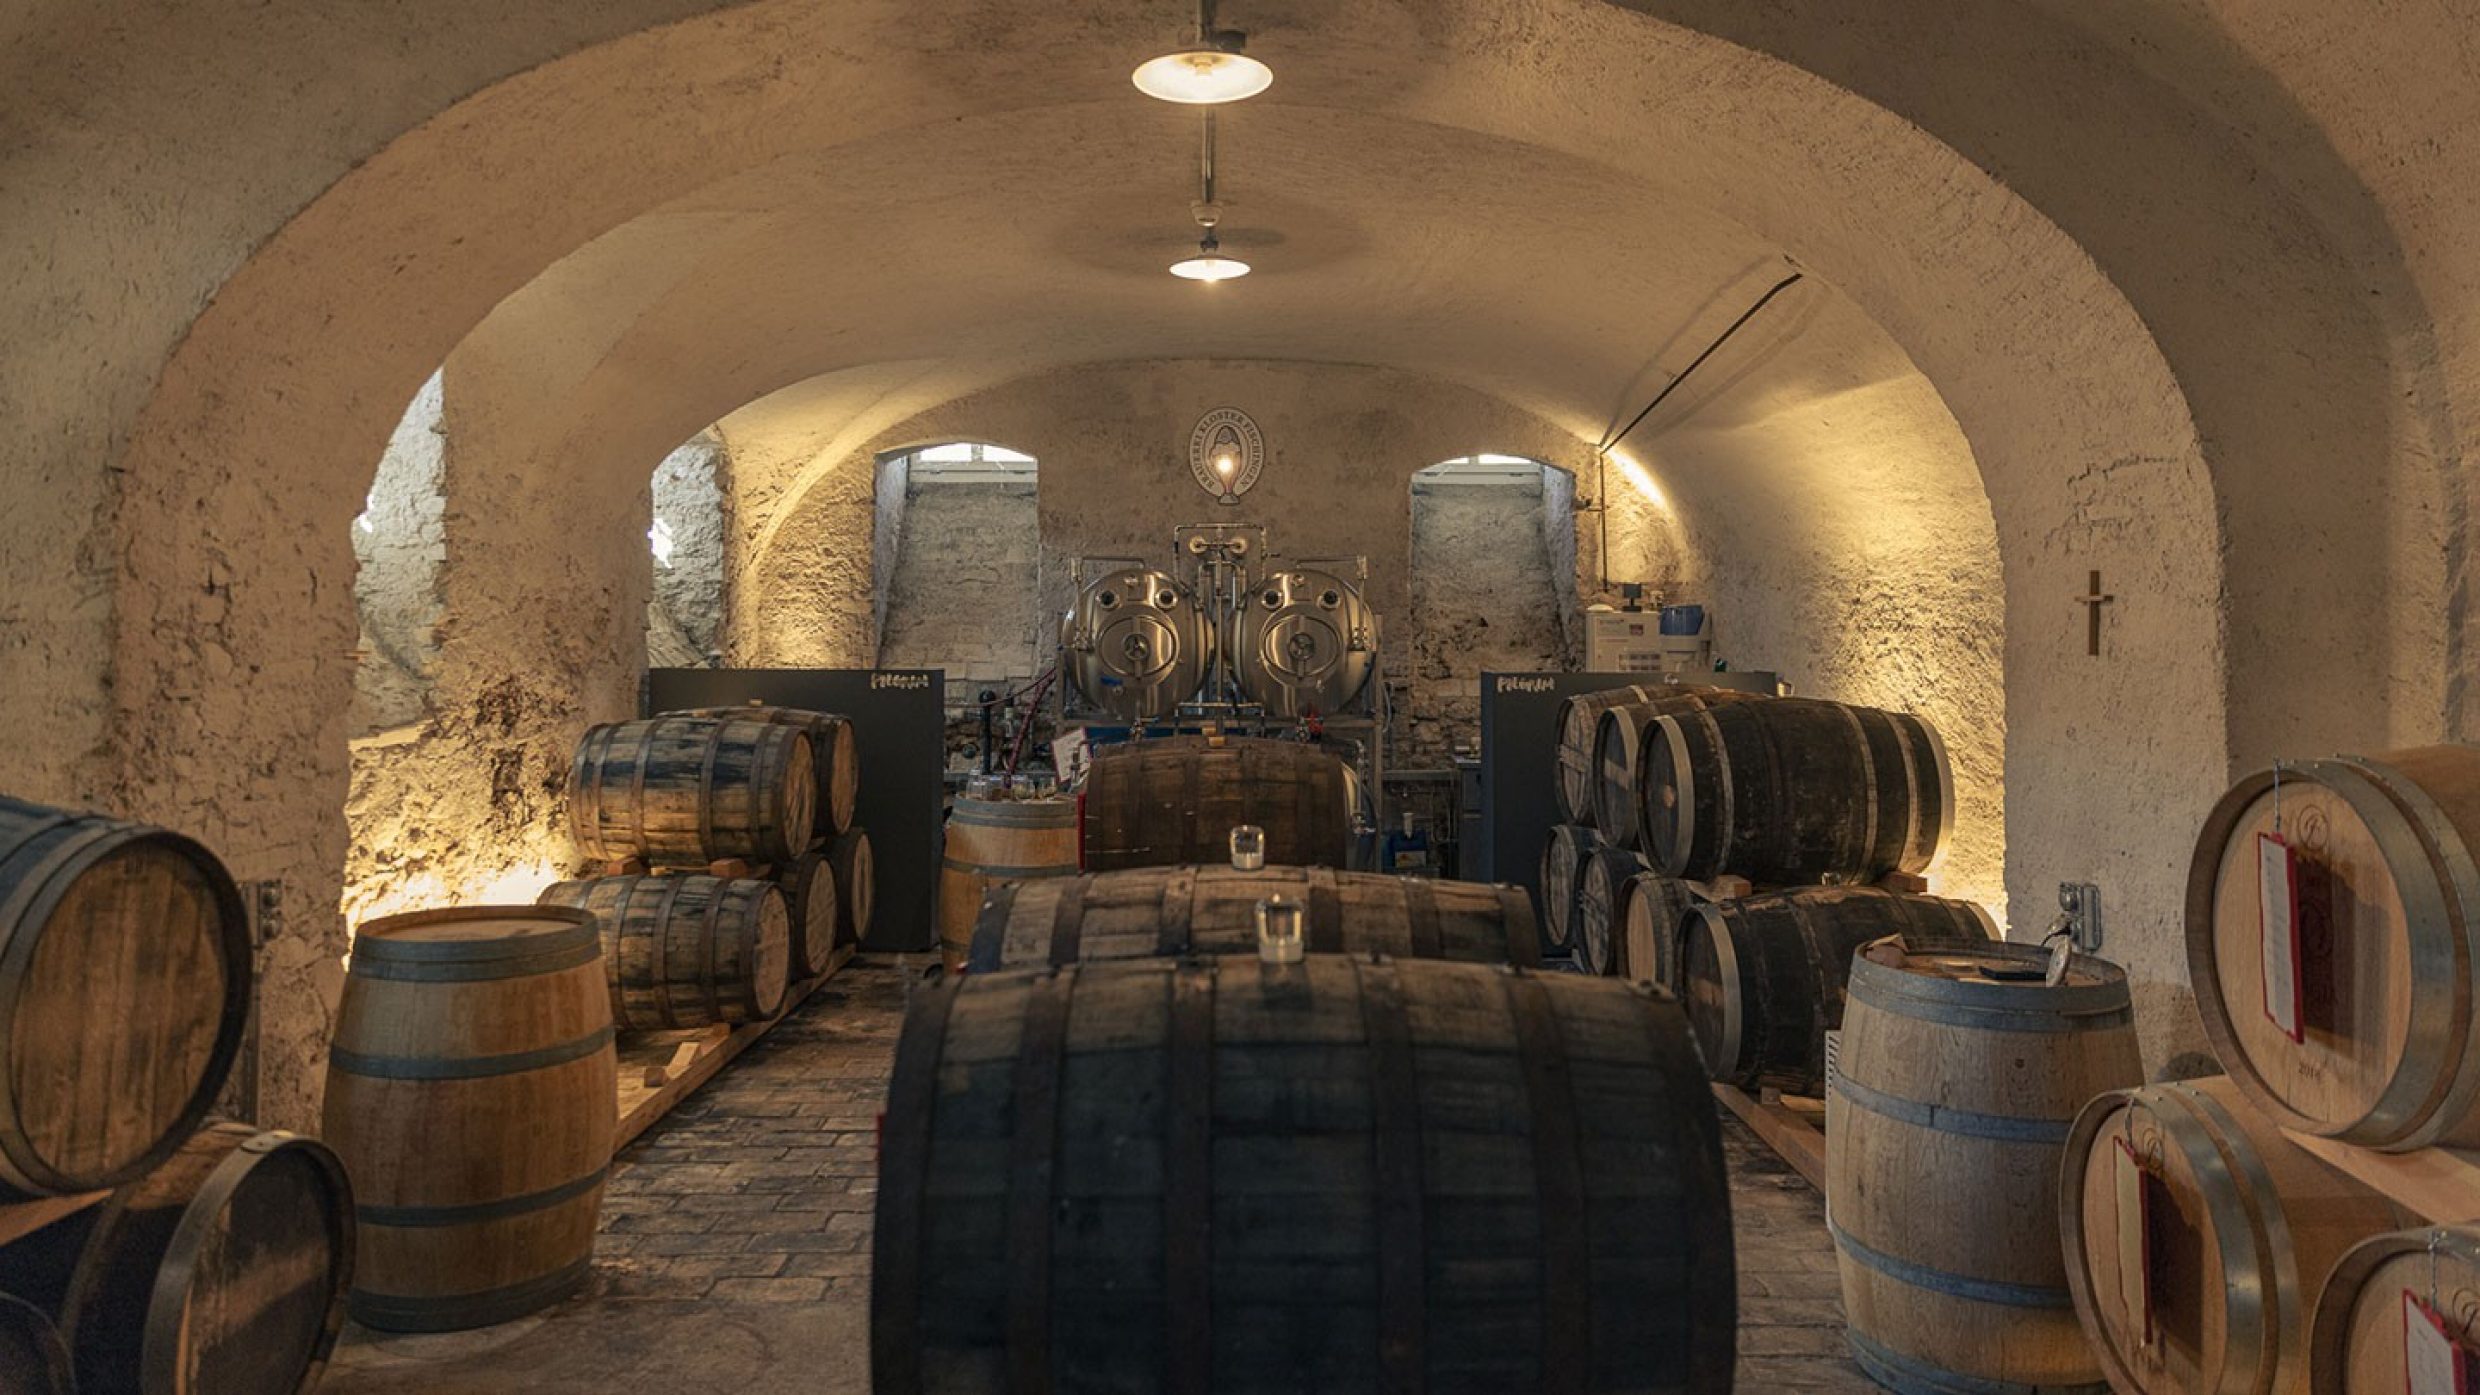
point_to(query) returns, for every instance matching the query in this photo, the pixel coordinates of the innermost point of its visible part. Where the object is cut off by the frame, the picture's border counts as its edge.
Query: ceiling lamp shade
(1203, 76)
(1210, 264)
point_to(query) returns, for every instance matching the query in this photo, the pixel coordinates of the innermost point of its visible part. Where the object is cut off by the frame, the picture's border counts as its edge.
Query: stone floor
(735, 1249)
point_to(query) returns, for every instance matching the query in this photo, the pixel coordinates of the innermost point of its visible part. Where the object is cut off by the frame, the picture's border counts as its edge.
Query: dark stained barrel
(1649, 930)
(1601, 906)
(812, 908)
(687, 951)
(1166, 802)
(1763, 976)
(1216, 1175)
(1580, 716)
(1794, 791)
(225, 1269)
(832, 750)
(32, 1360)
(687, 791)
(1562, 882)
(125, 974)
(856, 881)
(1213, 910)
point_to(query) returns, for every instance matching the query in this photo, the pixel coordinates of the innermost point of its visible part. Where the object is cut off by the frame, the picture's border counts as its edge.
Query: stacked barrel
(220, 1257)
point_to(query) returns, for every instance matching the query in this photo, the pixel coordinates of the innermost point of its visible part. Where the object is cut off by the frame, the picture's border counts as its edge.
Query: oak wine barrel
(833, 752)
(1649, 929)
(2386, 895)
(1602, 890)
(1344, 1174)
(1580, 716)
(1959, 1075)
(1793, 791)
(1562, 882)
(471, 1093)
(2377, 1290)
(1763, 976)
(856, 881)
(2236, 1230)
(225, 1269)
(1175, 800)
(1213, 910)
(125, 982)
(32, 1359)
(686, 951)
(811, 907)
(687, 791)
(996, 842)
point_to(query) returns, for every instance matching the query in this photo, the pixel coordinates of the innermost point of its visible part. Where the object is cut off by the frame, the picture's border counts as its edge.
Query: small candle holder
(1282, 931)
(1248, 848)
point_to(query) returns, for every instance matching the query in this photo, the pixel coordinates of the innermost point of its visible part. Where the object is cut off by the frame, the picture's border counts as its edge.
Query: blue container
(1683, 619)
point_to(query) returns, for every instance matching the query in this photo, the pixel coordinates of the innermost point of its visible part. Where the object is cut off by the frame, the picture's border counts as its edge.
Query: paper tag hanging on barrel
(2135, 1233)
(2277, 901)
(2434, 1363)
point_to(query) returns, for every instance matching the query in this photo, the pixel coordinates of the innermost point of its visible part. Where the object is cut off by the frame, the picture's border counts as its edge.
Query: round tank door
(1304, 641)
(1136, 644)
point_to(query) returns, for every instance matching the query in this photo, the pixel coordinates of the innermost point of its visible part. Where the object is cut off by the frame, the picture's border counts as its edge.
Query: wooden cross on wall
(2092, 600)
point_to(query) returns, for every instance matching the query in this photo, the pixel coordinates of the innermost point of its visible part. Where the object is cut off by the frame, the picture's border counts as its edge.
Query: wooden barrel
(1763, 976)
(832, 749)
(686, 951)
(1794, 791)
(2235, 1227)
(1213, 910)
(856, 881)
(1176, 800)
(223, 1269)
(687, 791)
(1946, 1121)
(1602, 890)
(32, 1359)
(1580, 716)
(1649, 934)
(1342, 1175)
(125, 977)
(1562, 882)
(2377, 1290)
(2387, 893)
(811, 906)
(992, 843)
(472, 1094)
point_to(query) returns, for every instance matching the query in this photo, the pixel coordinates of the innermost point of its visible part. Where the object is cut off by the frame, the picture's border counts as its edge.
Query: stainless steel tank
(1137, 644)
(1303, 641)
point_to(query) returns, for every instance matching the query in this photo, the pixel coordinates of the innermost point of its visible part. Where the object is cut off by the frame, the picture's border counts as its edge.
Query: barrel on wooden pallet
(1213, 910)
(2234, 1230)
(2384, 1290)
(994, 842)
(32, 1359)
(1345, 1174)
(223, 1269)
(1794, 791)
(1763, 976)
(2383, 891)
(1562, 882)
(811, 907)
(856, 881)
(1602, 891)
(124, 986)
(1579, 764)
(471, 1093)
(686, 951)
(1650, 929)
(687, 791)
(1618, 756)
(1166, 802)
(832, 749)
(1959, 1075)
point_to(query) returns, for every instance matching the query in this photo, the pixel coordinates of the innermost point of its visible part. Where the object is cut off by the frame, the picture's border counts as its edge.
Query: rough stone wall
(1485, 596)
(399, 543)
(692, 501)
(964, 595)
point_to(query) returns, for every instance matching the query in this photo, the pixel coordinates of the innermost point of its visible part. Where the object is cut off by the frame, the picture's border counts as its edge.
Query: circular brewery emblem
(1226, 452)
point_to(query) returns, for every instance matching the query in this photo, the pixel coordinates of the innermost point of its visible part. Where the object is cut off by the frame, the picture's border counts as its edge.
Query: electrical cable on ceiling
(1699, 361)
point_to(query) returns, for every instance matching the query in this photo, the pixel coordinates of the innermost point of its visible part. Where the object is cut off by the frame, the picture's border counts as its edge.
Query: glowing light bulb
(1225, 462)
(1202, 77)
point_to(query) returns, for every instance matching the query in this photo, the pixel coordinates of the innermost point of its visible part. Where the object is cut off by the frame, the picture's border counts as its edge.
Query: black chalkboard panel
(900, 730)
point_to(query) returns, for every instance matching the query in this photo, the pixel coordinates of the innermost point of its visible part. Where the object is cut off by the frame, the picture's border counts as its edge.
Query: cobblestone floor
(735, 1248)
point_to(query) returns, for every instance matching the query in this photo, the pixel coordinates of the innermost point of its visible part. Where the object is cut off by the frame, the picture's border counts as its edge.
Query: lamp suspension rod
(1205, 161)
(1205, 22)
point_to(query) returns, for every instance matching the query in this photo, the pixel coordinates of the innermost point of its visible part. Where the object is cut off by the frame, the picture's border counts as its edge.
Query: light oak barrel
(1650, 929)
(856, 881)
(833, 752)
(1794, 791)
(691, 951)
(2355, 1345)
(32, 1359)
(1213, 910)
(1579, 723)
(225, 1269)
(1946, 1123)
(1562, 882)
(125, 979)
(2244, 1226)
(1341, 1175)
(2390, 909)
(812, 906)
(993, 843)
(1602, 891)
(1763, 977)
(472, 1093)
(687, 791)
(1175, 800)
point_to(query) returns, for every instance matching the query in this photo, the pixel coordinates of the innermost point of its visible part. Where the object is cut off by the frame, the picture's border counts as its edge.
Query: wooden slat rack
(2441, 1185)
(21, 1219)
(1796, 1130)
(660, 1069)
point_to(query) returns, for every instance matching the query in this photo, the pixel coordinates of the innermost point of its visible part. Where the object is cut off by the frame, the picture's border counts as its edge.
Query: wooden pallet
(660, 1069)
(1794, 1129)
(2441, 1185)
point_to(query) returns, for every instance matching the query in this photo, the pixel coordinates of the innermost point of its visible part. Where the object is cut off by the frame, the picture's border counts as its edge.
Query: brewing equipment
(1137, 644)
(1303, 643)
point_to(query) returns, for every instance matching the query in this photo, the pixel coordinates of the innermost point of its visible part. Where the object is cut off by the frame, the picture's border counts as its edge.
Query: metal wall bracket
(2079, 905)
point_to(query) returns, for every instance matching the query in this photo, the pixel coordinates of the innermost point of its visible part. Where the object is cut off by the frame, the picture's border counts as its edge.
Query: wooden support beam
(1788, 1131)
(660, 1069)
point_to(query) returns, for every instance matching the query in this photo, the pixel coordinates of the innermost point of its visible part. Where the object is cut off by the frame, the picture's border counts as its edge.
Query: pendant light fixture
(1212, 70)
(1209, 264)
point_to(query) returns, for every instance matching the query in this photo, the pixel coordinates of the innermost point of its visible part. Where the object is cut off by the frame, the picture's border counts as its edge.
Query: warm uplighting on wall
(1640, 477)
(430, 891)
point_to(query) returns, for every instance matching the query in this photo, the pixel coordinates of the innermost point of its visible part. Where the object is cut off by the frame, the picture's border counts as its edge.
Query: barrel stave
(994, 843)
(834, 754)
